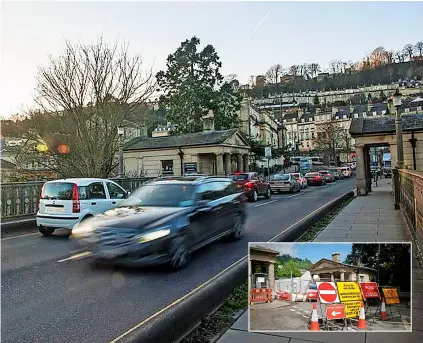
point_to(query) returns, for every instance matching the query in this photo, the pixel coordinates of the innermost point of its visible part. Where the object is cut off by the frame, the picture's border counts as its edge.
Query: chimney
(336, 257)
(208, 122)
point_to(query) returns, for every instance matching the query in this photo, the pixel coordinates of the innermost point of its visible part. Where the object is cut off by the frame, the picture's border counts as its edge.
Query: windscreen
(162, 195)
(57, 191)
(279, 177)
(239, 177)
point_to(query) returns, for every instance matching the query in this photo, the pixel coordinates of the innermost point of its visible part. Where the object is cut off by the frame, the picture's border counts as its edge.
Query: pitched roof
(189, 139)
(338, 263)
(263, 249)
(386, 124)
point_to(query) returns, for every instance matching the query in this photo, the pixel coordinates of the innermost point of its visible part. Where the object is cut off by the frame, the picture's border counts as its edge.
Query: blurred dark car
(315, 179)
(165, 221)
(253, 185)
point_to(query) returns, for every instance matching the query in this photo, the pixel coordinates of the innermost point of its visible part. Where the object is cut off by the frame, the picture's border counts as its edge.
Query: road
(285, 316)
(52, 293)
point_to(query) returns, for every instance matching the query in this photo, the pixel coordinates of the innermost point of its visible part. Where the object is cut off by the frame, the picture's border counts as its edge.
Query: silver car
(284, 183)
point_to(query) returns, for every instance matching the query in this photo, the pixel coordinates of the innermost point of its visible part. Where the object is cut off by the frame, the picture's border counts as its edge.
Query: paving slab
(394, 337)
(235, 336)
(242, 322)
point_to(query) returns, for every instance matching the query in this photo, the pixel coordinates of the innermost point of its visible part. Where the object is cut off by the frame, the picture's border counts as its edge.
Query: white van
(66, 202)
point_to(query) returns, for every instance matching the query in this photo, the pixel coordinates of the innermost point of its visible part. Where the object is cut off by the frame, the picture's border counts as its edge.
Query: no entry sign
(369, 290)
(349, 291)
(335, 311)
(327, 292)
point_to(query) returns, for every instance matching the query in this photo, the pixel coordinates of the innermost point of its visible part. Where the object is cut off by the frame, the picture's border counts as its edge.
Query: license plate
(54, 209)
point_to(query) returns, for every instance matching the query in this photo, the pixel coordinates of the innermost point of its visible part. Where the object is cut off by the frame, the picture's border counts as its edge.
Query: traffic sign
(268, 151)
(327, 292)
(391, 296)
(369, 290)
(312, 294)
(349, 291)
(335, 311)
(352, 309)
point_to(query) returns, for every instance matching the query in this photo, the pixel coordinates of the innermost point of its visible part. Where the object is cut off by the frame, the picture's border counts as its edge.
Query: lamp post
(121, 132)
(397, 101)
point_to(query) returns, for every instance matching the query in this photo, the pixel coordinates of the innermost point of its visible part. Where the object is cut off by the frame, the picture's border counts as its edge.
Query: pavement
(364, 219)
(51, 292)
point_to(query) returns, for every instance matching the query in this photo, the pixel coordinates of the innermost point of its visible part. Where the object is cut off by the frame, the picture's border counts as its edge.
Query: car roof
(80, 181)
(189, 179)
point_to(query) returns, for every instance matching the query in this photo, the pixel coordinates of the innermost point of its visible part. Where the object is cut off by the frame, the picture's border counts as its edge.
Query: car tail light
(75, 200)
(249, 184)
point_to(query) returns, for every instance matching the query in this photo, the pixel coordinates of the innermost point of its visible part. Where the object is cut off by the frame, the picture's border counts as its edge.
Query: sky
(313, 251)
(248, 36)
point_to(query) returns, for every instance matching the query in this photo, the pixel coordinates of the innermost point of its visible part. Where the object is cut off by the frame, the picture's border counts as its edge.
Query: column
(219, 164)
(360, 170)
(246, 162)
(239, 165)
(272, 277)
(249, 275)
(332, 279)
(342, 276)
(228, 164)
(368, 169)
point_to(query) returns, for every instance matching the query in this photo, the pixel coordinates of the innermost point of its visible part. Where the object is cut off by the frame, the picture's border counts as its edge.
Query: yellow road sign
(352, 309)
(349, 291)
(391, 296)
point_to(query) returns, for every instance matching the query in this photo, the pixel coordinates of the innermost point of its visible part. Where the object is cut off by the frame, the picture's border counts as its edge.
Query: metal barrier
(20, 199)
(260, 295)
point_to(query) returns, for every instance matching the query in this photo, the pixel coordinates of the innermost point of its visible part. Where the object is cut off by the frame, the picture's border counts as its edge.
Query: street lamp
(121, 132)
(397, 102)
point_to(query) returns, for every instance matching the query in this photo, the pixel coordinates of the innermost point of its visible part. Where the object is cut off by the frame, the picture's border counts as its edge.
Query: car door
(98, 197)
(116, 193)
(256, 180)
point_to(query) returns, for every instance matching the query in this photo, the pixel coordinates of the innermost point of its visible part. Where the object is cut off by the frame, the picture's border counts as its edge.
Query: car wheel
(46, 231)
(268, 194)
(238, 226)
(180, 258)
(292, 191)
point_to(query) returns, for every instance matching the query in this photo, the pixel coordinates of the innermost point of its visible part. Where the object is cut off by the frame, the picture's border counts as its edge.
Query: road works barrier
(260, 295)
(177, 320)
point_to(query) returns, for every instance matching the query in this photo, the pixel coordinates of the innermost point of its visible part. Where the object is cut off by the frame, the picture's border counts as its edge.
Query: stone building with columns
(380, 132)
(209, 152)
(334, 270)
(262, 261)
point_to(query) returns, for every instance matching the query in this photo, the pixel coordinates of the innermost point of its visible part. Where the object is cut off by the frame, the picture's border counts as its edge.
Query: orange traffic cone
(314, 325)
(362, 319)
(383, 314)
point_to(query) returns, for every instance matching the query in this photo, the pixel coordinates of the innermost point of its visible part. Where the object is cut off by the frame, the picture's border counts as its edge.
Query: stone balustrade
(409, 185)
(20, 199)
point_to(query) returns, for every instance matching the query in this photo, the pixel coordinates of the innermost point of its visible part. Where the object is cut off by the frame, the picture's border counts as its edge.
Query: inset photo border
(302, 287)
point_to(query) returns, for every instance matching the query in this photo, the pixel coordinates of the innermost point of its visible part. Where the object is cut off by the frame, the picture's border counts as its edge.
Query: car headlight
(153, 235)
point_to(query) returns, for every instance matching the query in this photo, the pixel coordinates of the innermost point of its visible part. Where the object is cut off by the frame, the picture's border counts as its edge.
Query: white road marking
(291, 309)
(76, 256)
(20, 236)
(265, 203)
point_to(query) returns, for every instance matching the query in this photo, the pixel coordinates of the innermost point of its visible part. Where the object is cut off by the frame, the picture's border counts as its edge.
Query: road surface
(52, 293)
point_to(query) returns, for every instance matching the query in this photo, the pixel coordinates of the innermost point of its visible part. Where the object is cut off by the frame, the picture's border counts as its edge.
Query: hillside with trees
(380, 67)
(287, 265)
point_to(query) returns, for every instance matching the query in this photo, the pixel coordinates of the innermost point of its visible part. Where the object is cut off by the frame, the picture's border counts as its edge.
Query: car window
(239, 177)
(211, 190)
(83, 194)
(231, 188)
(115, 191)
(57, 191)
(280, 177)
(254, 177)
(96, 191)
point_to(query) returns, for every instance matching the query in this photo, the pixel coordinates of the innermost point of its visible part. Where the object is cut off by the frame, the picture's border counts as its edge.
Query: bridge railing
(411, 201)
(20, 199)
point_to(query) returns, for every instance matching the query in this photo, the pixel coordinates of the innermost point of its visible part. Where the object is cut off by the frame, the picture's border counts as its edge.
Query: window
(57, 191)
(82, 192)
(96, 191)
(167, 167)
(210, 191)
(115, 191)
(231, 188)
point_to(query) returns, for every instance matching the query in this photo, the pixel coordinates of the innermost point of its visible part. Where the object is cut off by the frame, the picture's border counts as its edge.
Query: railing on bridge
(19, 199)
(410, 186)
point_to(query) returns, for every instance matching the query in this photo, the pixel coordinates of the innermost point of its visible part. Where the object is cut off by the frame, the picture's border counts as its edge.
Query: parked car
(253, 185)
(335, 173)
(66, 202)
(315, 179)
(341, 174)
(284, 183)
(346, 171)
(352, 165)
(164, 221)
(327, 175)
(301, 179)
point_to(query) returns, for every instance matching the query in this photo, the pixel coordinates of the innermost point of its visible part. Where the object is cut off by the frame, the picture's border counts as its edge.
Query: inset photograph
(329, 287)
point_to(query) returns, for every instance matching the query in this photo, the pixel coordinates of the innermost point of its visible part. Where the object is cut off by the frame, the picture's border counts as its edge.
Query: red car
(315, 179)
(253, 185)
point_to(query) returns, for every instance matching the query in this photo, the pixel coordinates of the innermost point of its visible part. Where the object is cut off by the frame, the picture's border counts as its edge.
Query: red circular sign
(327, 292)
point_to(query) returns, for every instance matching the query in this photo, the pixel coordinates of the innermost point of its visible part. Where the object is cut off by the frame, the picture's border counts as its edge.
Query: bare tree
(84, 95)
(399, 56)
(294, 70)
(419, 47)
(389, 56)
(378, 57)
(336, 66)
(314, 69)
(274, 73)
(330, 139)
(408, 51)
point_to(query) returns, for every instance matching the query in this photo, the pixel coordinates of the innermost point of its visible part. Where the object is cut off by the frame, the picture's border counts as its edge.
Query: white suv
(64, 203)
